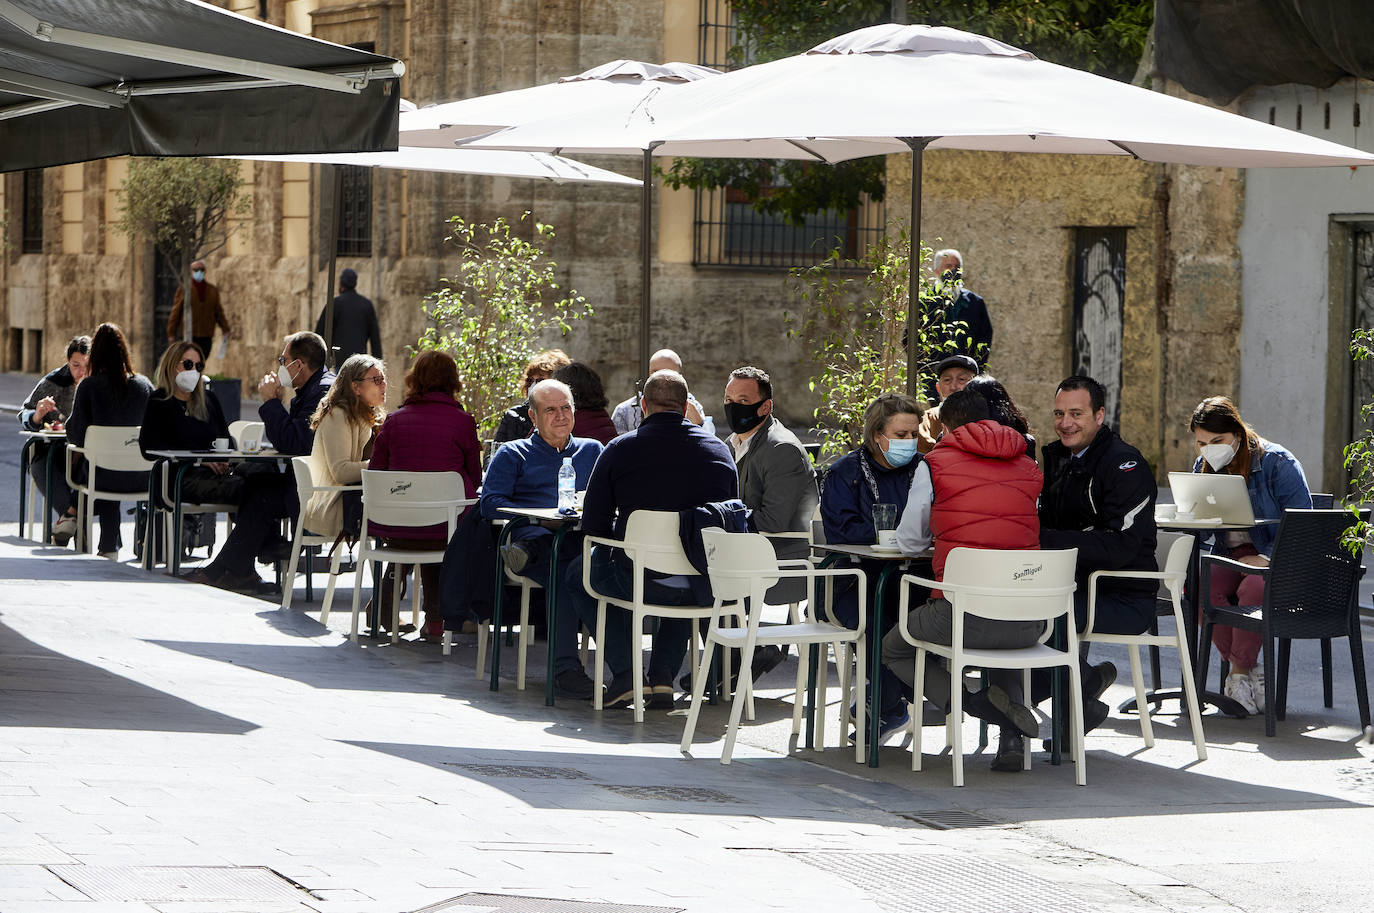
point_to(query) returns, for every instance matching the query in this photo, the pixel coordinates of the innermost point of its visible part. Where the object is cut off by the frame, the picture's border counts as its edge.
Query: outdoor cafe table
(184, 460)
(31, 440)
(1196, 528)
(894, 561)
(561, 524)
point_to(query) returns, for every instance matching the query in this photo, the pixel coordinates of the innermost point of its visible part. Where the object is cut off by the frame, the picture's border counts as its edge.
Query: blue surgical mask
(198, 275)
(900, 452)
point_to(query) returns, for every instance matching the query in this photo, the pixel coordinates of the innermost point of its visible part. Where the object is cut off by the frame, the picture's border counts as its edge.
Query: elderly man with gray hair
(967, 329)
(524, 473)
(627, 416)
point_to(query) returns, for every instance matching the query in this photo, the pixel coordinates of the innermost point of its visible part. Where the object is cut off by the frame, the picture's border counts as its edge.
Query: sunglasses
(188, 365)
(378, 379)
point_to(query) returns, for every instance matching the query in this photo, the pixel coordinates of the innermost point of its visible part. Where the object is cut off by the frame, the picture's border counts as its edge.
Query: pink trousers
(1237, 647)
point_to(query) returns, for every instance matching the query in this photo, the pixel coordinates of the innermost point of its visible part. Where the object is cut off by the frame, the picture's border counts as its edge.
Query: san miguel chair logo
(1027, 572)
(400, 487)
(131, 442)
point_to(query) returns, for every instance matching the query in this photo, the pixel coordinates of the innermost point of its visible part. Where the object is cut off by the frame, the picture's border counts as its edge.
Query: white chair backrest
(735, 560)
(115, 447)
(1171, 554)
(305, 480)
(1013, 585)
(817, 526)
(654, 532)
(411, 498)
(245, 431)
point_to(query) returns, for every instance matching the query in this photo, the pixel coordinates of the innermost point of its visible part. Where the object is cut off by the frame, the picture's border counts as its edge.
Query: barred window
(355, 211)
(728, 231)
(31, 229)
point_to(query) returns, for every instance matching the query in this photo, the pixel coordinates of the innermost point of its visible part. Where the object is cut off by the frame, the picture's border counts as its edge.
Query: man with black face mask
(776, 478)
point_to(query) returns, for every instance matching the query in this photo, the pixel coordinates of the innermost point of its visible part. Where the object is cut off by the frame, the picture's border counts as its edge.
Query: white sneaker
(1239, 688)
(1257, 684)
(64, 529)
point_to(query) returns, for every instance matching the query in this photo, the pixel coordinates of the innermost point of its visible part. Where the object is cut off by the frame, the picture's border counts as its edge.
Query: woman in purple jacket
(431, 432)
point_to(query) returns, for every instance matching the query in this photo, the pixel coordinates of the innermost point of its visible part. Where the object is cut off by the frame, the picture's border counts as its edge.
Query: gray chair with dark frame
(1311, 592)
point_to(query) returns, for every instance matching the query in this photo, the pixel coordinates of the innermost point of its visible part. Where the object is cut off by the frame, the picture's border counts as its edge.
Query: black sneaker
(574, 683)
(659, 697)
(1011, 753)
(516, 556)
(275, 551)
(766, 659)
(1095, 713)
(620, 693)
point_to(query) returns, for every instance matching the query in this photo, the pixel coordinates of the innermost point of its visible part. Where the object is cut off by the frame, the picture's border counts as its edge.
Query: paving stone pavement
(148, 722)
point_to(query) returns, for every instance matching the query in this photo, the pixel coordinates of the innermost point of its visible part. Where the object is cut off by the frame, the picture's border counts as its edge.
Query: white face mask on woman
(186, 380)
(1219, 456)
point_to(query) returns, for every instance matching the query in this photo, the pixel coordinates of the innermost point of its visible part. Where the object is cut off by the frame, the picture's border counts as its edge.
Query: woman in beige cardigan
(344, 425)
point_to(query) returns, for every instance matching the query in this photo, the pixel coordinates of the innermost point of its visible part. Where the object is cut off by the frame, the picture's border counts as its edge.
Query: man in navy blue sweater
(524, 473)
(667, 463)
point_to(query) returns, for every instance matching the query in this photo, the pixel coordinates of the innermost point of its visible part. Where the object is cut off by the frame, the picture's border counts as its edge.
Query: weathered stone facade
(1011, 216)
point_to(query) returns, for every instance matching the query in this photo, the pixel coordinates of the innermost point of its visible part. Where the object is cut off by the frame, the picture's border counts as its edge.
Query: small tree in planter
(184, 206)
(492, 314)
(854, 323)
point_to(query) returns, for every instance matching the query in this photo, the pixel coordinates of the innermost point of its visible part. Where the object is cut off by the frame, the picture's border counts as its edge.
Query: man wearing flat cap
(952, 374)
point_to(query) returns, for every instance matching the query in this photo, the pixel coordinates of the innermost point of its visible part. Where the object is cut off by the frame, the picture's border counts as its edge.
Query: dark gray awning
(1220, 48)
(88, 79)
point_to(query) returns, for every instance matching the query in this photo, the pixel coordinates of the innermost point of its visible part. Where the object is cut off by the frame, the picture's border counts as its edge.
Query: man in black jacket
(1099, 498)
(355, 322)
(668, 463)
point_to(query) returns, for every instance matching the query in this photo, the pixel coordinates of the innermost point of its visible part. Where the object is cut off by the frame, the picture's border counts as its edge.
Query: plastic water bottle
(567, 487)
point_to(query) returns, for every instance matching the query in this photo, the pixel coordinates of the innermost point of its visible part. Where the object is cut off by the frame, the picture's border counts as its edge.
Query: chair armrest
(1234, 565)
(337, 487)
(792, 534)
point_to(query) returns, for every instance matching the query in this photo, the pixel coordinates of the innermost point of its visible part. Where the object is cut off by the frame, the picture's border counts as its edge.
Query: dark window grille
(31, 231)
(728, 231)
(1099, 296)
(355, 212)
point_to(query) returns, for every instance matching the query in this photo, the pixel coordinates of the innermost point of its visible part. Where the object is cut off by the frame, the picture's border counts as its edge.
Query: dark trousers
(108, 511)
(1115, 613)
(846, 611)
(204, 343)
(608, 577)
(567, 624)
(58, 495)
(267, 498)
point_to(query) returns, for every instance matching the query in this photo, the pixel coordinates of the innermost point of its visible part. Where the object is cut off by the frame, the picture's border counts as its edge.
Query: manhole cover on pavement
(943, 819)
(932, 883)
(509, 903)
(513, 770)
(203, 884)
(673, 793)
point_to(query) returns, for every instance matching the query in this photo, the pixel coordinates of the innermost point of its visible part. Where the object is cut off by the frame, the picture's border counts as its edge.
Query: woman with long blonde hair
(344, 424)
(181, 415)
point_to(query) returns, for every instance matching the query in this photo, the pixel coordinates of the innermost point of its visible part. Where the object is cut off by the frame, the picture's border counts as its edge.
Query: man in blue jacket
(300, 367)
(524, 473)
(668, 463)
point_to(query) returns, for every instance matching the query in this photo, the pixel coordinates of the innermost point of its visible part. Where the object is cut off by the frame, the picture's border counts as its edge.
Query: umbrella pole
(913, 299)
(336, 171)
(646, 229)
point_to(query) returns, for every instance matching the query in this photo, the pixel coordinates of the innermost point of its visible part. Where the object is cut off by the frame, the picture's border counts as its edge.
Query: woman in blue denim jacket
(1276, 482)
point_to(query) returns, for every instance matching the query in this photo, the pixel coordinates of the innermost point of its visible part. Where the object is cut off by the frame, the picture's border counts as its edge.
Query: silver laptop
(1213, 496)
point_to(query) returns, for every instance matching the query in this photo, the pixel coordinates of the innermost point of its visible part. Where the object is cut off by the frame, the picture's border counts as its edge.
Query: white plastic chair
(1173, 553)
(305, 489)
(243, 432)
(404, 499)
(744, 566)
(1000, 585)
(652, 544)
(113, 448)
(486, 630)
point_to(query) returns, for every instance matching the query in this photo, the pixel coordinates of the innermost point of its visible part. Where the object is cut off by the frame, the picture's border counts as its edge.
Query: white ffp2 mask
(186, 380)
(1219, 456)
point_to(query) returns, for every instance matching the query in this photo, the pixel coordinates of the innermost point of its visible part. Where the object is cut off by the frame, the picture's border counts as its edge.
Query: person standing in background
(355, 323)
(207, 311)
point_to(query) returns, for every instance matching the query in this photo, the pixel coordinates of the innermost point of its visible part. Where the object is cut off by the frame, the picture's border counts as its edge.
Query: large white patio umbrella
(894, 88)
(619, 91)
(489, 162)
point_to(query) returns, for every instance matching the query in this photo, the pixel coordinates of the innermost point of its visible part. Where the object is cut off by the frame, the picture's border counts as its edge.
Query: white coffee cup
(221, 443)
(887, 538)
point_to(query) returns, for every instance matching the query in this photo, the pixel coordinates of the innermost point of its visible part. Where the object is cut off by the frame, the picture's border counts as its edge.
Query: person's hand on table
(1254, 560)
(269, 387)
(45, 405)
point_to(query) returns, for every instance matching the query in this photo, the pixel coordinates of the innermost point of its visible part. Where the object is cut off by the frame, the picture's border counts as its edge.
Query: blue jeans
(608, 577)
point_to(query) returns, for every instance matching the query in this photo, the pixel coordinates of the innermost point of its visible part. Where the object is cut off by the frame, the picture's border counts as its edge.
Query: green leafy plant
(491, 315)
(1359, 455)
(854, 322)
(184, 206)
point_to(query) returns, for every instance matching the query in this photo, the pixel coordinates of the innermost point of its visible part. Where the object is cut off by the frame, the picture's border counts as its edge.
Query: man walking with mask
(206, 311)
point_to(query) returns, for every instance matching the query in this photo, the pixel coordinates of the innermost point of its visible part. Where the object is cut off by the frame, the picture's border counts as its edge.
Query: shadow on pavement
(44, 688)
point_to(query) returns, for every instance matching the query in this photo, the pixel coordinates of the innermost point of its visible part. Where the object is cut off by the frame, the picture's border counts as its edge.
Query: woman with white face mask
(1276, 482)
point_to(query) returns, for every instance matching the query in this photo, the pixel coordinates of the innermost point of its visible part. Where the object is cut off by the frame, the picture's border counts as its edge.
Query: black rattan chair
(1311, 592)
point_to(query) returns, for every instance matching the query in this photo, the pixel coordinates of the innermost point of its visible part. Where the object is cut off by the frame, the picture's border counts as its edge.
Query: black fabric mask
(744, 417)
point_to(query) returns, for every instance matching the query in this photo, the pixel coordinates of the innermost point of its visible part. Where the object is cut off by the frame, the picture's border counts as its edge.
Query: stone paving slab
(146, 721)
